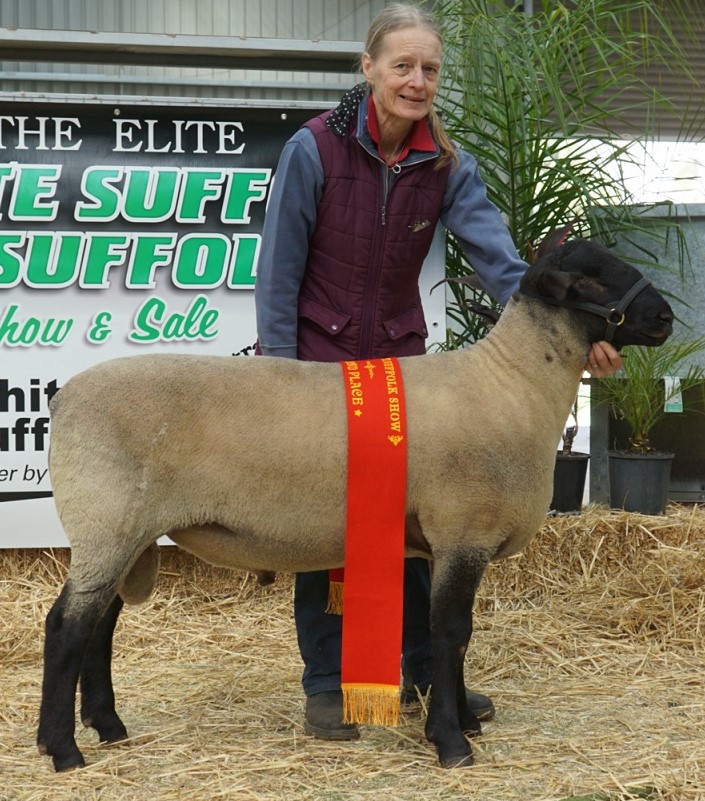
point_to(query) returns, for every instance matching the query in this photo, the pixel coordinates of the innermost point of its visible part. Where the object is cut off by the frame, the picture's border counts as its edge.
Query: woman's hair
(395, 17)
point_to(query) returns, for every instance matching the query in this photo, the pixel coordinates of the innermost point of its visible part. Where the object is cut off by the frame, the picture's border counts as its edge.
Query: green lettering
(242, 267)
(148, 253)
(150, 194)
(103, 198)
(31, 186)
(103, 251)
(10, 262)
(152, 308)
(198, 188)
(153, 321)
(201, 260)
(244, 187)
(31, 330)
(100, 329)
(53, 259)
(6, 171)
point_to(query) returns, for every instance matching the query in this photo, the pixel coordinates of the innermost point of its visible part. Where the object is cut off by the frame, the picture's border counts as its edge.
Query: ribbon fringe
(376, 704)
(335, 598)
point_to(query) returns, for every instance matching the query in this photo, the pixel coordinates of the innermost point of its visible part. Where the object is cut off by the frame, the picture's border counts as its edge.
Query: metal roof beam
(178, 50)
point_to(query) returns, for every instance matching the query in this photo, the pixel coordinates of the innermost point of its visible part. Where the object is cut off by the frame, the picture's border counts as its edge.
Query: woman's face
(404, 76)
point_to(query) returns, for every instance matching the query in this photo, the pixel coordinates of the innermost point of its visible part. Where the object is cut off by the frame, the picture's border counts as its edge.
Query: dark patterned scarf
(340, 117)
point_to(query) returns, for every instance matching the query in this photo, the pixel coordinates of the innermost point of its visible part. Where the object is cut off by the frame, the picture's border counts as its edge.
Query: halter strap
(614, 314)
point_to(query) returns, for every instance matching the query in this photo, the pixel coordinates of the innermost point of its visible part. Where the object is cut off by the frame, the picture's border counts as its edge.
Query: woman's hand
(603, 360)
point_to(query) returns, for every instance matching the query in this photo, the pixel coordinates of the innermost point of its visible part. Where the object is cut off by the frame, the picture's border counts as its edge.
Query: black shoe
(481, 705)
(324, 717)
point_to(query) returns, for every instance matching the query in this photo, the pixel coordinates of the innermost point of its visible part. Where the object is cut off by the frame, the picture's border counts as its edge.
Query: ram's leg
(469, 722)
(97, 696)
(456, 577)
(69, 627)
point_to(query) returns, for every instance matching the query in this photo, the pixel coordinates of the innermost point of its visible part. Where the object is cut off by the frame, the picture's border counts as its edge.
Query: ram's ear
(554, 284)
(553, 240)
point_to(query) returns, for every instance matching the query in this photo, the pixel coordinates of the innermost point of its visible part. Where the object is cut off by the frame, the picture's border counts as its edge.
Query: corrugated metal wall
(287, 19)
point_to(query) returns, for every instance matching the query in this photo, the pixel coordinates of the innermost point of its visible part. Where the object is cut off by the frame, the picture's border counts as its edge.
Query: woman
(357, 196)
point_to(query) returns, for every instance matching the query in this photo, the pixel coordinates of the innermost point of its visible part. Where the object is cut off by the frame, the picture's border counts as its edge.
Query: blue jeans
(320, 634)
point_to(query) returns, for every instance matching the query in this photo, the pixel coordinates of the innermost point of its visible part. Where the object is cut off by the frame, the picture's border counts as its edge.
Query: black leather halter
(614, 314)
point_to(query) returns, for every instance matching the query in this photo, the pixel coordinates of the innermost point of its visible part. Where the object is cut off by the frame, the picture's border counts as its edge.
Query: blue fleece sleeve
(289, 222)
(480, 230)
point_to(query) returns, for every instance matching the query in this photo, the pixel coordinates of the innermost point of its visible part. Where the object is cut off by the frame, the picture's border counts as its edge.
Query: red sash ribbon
(373, 590)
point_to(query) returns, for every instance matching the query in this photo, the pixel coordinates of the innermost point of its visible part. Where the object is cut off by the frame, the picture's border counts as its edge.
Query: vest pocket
(410, 321)
(330, 320)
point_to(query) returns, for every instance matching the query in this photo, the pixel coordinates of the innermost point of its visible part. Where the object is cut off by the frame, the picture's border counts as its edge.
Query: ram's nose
(665, 319)
(667, 316)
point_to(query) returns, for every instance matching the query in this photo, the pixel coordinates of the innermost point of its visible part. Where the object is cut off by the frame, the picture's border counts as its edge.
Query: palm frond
(638, 393)
(539, 101)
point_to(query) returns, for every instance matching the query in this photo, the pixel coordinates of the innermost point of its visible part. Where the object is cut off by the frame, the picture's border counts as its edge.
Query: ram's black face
(583, 272)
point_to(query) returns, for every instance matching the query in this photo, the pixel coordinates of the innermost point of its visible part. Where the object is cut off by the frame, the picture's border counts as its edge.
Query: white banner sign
(124, 230)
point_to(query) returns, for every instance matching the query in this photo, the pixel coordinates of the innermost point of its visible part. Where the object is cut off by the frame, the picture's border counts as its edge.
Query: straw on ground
(591, 642)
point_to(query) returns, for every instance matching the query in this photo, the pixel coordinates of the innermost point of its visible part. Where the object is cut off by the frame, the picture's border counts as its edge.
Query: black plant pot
(569, 481)
(639, 482)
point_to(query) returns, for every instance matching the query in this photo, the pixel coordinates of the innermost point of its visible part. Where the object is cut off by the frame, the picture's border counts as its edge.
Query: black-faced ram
(228, 458)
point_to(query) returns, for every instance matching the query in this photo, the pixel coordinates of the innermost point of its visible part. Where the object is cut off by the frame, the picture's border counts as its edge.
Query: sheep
(226, 457)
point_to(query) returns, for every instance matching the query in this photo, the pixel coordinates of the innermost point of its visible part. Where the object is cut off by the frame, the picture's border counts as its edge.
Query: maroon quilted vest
(360, 296)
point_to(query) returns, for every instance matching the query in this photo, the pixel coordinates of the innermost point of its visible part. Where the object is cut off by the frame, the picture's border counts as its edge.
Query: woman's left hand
(603, 360)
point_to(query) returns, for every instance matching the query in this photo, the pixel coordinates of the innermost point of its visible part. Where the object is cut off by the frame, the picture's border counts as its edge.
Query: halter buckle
(611, 320)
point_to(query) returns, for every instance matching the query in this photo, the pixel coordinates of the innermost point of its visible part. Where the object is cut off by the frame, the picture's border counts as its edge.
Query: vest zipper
(396, 169)
(368, 310)
(385, 192)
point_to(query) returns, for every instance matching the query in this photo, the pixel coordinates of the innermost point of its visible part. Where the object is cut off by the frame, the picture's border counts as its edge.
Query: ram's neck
(552, 335)
(541, 353)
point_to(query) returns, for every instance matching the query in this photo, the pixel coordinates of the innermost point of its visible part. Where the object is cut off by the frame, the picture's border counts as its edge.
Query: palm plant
(640, 392)
(542, 103)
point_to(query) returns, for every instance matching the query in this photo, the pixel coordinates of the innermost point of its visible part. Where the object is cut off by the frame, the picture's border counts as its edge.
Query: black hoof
(109, 731)
(457, 761)
(68, 761)
(472, 728)
(114, 737)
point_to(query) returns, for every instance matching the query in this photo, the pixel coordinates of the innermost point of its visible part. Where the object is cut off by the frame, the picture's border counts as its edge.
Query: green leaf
(540, 101)
(636, 393)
